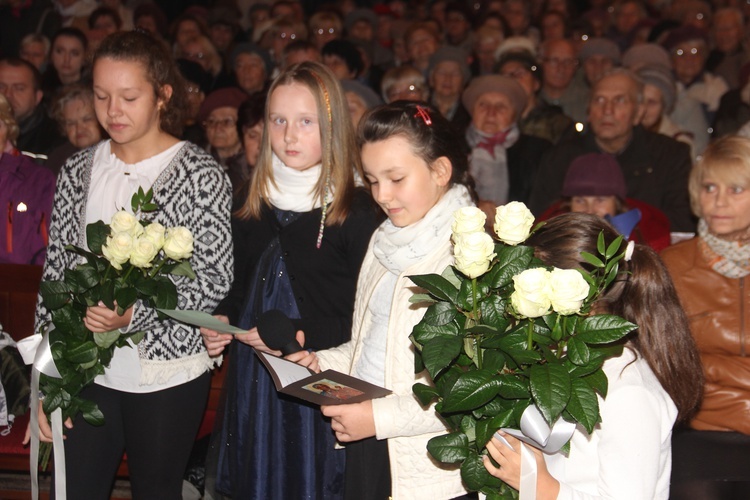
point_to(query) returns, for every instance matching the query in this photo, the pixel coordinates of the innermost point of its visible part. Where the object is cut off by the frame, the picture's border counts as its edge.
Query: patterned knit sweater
(192, 192)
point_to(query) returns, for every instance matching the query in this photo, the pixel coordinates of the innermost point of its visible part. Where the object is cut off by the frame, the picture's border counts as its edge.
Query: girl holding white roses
(656, 381)
(419, 176)
(153, 394)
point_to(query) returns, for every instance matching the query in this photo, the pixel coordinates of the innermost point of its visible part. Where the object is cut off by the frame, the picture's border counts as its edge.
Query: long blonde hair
(338, 148)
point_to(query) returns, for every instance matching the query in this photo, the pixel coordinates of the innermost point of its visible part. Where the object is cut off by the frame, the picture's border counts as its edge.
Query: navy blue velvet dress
(270, 445)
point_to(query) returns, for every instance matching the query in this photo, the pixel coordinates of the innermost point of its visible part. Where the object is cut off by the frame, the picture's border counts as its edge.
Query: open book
(325, 388)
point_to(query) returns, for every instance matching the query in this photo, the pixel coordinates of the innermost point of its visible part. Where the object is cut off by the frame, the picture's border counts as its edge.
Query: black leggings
(156, 430)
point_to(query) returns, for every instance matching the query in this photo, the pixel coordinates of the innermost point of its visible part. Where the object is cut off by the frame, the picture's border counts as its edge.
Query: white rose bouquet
(128, 260)
(503, 332)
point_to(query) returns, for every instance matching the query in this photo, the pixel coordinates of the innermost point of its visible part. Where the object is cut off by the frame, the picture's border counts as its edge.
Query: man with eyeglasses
(655, 167)
(561, 87)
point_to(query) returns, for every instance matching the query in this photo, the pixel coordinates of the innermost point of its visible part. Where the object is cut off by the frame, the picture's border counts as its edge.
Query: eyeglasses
(617, 101)
(284, 36)
(222, 123)
(566, 63)
(323, 31)
(192, 90)
(693, 51)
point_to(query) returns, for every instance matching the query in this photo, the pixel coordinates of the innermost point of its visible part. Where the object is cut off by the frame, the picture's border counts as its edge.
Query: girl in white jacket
(417, 173)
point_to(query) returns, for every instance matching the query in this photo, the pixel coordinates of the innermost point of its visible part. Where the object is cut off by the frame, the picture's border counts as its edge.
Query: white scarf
(488, 164)
(294, 189)
(398, 248)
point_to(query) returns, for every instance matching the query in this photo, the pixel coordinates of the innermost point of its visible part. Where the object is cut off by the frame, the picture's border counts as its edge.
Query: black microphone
(278, 332)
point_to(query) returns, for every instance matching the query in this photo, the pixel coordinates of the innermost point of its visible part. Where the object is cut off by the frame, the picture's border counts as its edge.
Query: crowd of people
(284, 125)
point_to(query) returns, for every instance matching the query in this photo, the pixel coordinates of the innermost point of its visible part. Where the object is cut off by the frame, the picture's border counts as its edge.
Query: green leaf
(440, 313)
(600, 243)
(583, 404)
(82, 278)
(578, 351)
(598, 381)
(55, 294)
(468, 424)
(125, 298)
(437, 286)
(471, 390)
(514, 346)
(166, 293)
(68, 323)
(475, 475)
(419, 298)
(182, 268)
(453, 276)
(603, 329)
(136, 337)
(438, 353)
(91, 413)
(96, 236)
(492, 310)
(613, 247)
(83, 353)
(592, 259)
(493, 360)
(106, 339)
(487, 427)
(550, 387)
(449, 448)
(425, 393)
(513, 387)
(424, 332)
(511, 260)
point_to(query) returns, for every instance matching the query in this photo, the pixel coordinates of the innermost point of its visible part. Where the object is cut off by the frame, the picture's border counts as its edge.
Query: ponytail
(643, 294)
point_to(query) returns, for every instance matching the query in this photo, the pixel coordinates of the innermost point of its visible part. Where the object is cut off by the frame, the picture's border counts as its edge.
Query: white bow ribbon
(536, 432)
(35, 351)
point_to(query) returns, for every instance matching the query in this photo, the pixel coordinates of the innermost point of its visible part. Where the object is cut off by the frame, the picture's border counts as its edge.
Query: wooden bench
(19, 285)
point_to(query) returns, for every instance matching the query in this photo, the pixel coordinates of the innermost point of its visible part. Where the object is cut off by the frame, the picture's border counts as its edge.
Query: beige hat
(494, 83)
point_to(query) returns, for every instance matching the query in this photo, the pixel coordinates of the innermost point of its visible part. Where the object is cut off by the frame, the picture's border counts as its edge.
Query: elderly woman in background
(503, 160)
(26, 192)
(404, 83)
(711, 460)
(359, 98)
(73, 110)
(250, 125)
(659, 95)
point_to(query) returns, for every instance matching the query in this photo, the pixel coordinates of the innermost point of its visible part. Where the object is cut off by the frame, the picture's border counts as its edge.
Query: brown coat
(719, 313)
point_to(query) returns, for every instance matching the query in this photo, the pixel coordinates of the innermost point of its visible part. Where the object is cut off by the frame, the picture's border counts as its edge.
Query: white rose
(155, 233)
(468, 220)
(143, 252)
(531, 295)
(513, 222)
(474, 253)
(117, 249)
(178, 244)
(568, 290)
(124, 222)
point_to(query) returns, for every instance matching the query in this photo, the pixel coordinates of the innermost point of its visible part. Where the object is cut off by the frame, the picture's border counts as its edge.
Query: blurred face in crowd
(595, 66)
(338, 67)
(298, 56)
(251, 140)
(553, 26)
(186, 30)
(250, 72)
(559, 64)
(727, 31)
(653, 106)
(67, 56)
(35, 53)
(420, 46)
(357, 107)
(688, 59)
(362, 30)
(613, 111)
(516, 16)
(627, 17)
(81, 127)
(195, 97)
(447, 80)
(147, 23)
(524, 77)
(17, 85)
(324, 33)
(221, 130)
(493, 112)
(725, 206)
(595, 205)
(221, 36)
(106, 24)
(456, 26)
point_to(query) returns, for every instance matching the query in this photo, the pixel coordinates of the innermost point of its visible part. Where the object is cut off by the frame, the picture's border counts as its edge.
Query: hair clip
(423, 114)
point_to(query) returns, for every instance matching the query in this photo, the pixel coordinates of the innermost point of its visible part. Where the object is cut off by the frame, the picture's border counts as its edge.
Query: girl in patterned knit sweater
(154, 394)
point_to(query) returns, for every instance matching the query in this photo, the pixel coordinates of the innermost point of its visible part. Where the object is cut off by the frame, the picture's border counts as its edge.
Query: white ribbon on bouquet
(36, 351)
(536, 432)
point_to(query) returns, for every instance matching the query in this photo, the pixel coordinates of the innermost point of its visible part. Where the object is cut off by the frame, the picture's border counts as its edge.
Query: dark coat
(655, 167)
(324, 279)
(524, 158)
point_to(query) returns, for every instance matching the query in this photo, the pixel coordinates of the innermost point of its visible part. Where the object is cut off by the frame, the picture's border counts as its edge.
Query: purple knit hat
(594, 174)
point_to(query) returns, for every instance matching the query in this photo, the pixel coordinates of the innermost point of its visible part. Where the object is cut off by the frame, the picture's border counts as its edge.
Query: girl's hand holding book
(351, 422)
